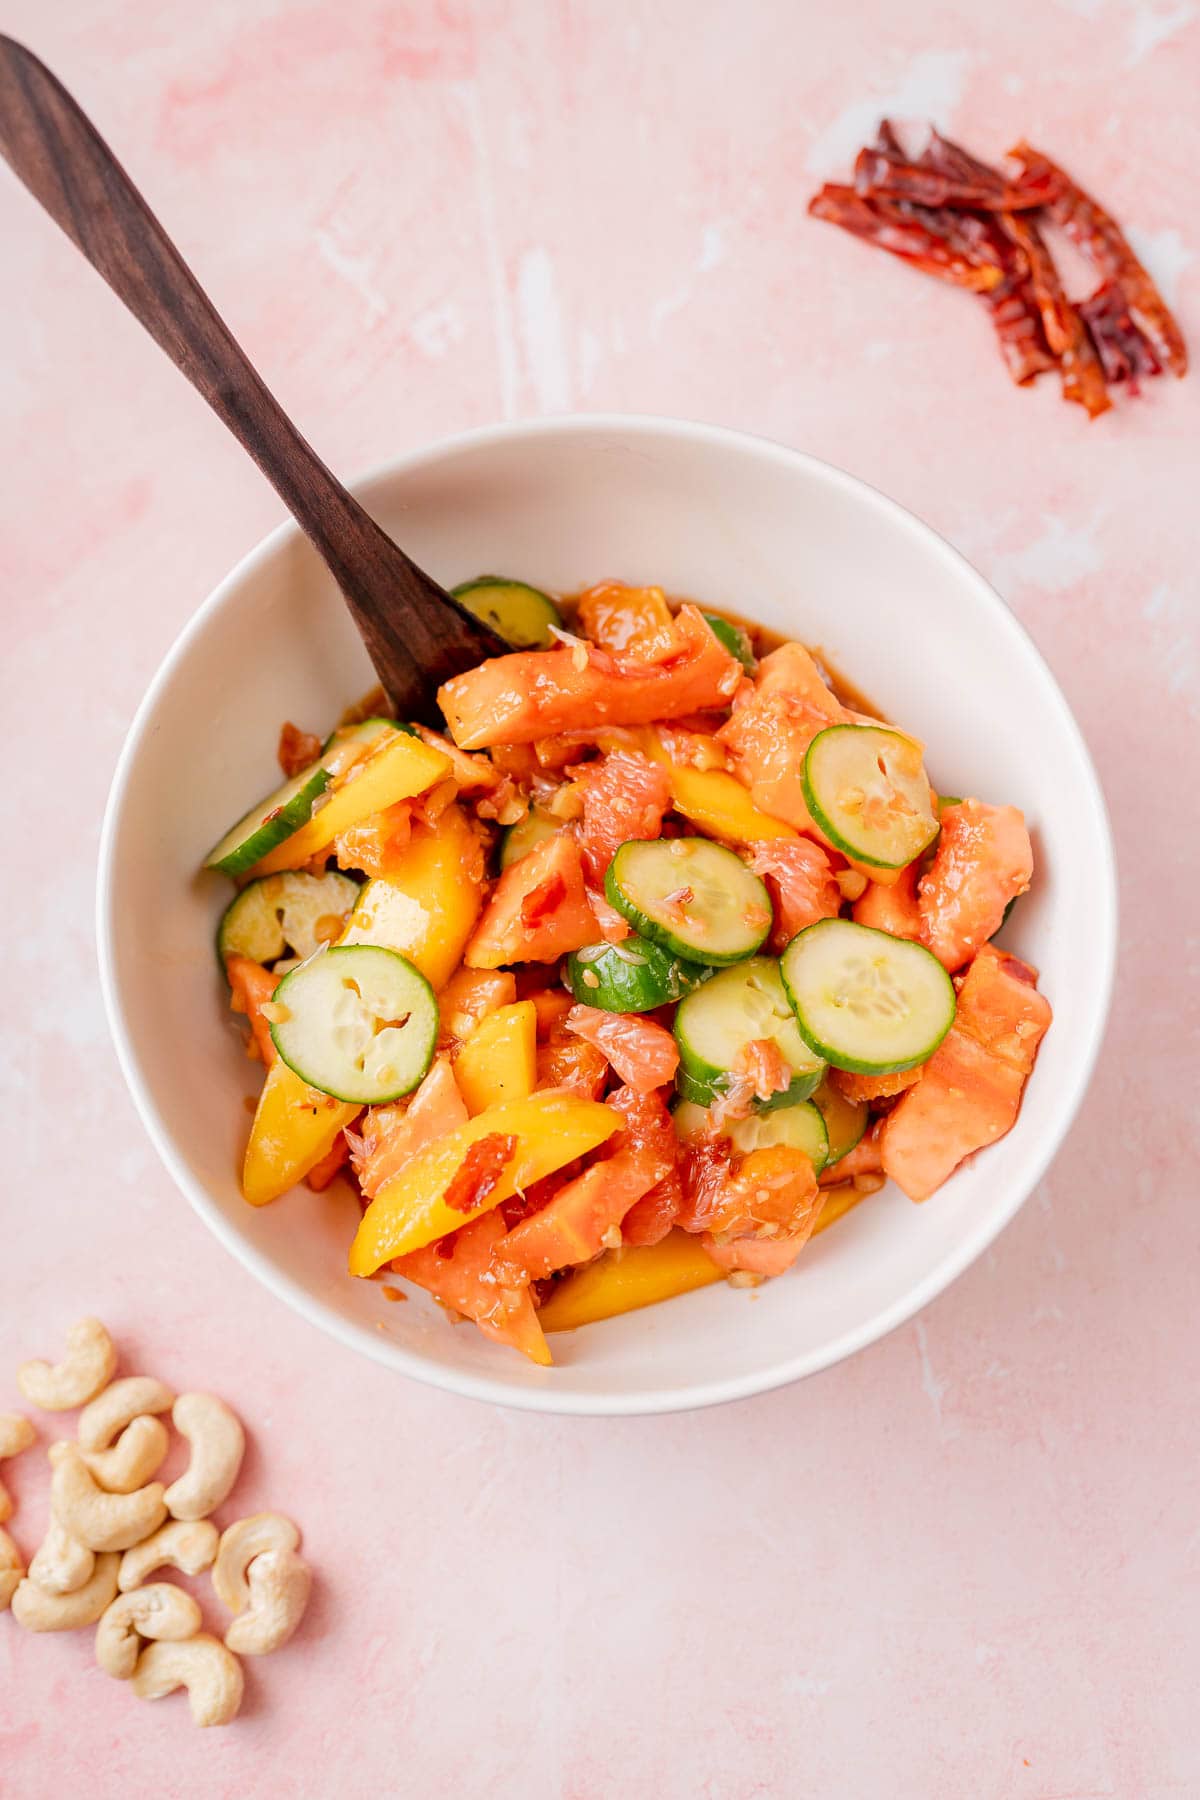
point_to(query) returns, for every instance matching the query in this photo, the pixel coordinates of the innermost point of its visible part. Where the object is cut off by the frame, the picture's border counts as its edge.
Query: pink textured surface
(963, 1563)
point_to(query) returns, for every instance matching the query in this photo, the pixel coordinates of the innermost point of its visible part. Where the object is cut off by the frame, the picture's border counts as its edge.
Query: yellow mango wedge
(621, 1281)
(498, 1062)
(294, 1127)
(396, 769)
(838, 1202)
(428, 912)
(721, 806)
(409, 1211)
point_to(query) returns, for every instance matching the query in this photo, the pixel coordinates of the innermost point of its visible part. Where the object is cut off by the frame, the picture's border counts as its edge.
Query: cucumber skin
(849, 1064)
(288, 820)
(465, 590)
(864, 1113)
(704, 1091)
(654, 933)
(829, 830)
(731, 637)
(676, 978)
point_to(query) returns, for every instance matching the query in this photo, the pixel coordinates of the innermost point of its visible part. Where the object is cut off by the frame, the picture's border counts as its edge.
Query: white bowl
(727, 520)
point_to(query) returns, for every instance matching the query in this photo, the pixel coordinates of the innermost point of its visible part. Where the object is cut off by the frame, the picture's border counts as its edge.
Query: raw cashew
(160, 1611)
(240, 1543)
(120, 1403)
(37, 1610)
(138, 1453)
(12, 1569)
(279, 1583)
(202, 1665)
(16, 1434)
(187, 1544)
(61, 1564)
(83, 1371)
(218, 1444)
(99, 1520)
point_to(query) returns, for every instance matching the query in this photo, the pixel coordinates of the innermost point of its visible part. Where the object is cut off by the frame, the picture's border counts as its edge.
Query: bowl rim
(497, 1389)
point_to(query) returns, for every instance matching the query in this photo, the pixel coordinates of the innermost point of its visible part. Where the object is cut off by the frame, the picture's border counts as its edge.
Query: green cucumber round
(526, 835)
(868, 792)
(365, 731)
(520, 614)
(279, 915)
(731, 637)
(845, 1120)
(358, 1022)
(864, 1000)
(695, 898)
(732, 1009)
(630, 977)
(794, 1127)
(268, 823)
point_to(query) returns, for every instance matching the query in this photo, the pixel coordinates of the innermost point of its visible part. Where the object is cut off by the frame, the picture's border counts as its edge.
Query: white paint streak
(437, 330)
(1053, 562)
(713, 250)
(1165, 255)
(356, 272)
(485, 200)
(1151, 27)
(541, 325)
(930, 1385)
(666, 308)
(930, 88)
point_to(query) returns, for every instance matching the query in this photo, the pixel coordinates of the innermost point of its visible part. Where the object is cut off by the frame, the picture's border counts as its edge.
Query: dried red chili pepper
(1104, 243)
(901, 232)
(480, 1170)
(1082, 374)
(1124, 352)
(943, 175)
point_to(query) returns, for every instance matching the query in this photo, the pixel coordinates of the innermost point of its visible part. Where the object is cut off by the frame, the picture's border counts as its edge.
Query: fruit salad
(655, 962)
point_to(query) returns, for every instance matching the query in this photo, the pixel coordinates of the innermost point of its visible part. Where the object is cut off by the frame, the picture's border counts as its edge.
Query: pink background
(962, 1564)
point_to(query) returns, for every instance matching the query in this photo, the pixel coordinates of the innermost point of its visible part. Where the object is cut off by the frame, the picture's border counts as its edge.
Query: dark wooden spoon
(416, 634)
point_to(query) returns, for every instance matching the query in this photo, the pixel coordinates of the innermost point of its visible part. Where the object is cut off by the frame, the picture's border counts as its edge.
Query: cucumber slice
(520, 614)
(795, 1127)
(357, 1022)
(633, 976)
(864, 1000)
(695, 898)
(268, 823)
(291, 806)
(735, 1006)
(365, 732)
(845, 1120)
(868, 791)
(291, 912)
(731, 637)
(526, 835)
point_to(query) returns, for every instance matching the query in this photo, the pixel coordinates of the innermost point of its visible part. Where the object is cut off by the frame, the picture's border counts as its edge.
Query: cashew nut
(240, 1543)
(61, 1564)
(12, 1569)
(120, 1403)
(99, 1520)
(189, 1545)
(16, 1434)
(218, 1444)
(37, 1610)
(202, 1665)
(83, 1371)
(138, 1453)
(279, 1583)
(160, 1611)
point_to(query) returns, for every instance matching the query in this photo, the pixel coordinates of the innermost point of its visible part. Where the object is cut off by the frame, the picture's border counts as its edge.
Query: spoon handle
(55, 150)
